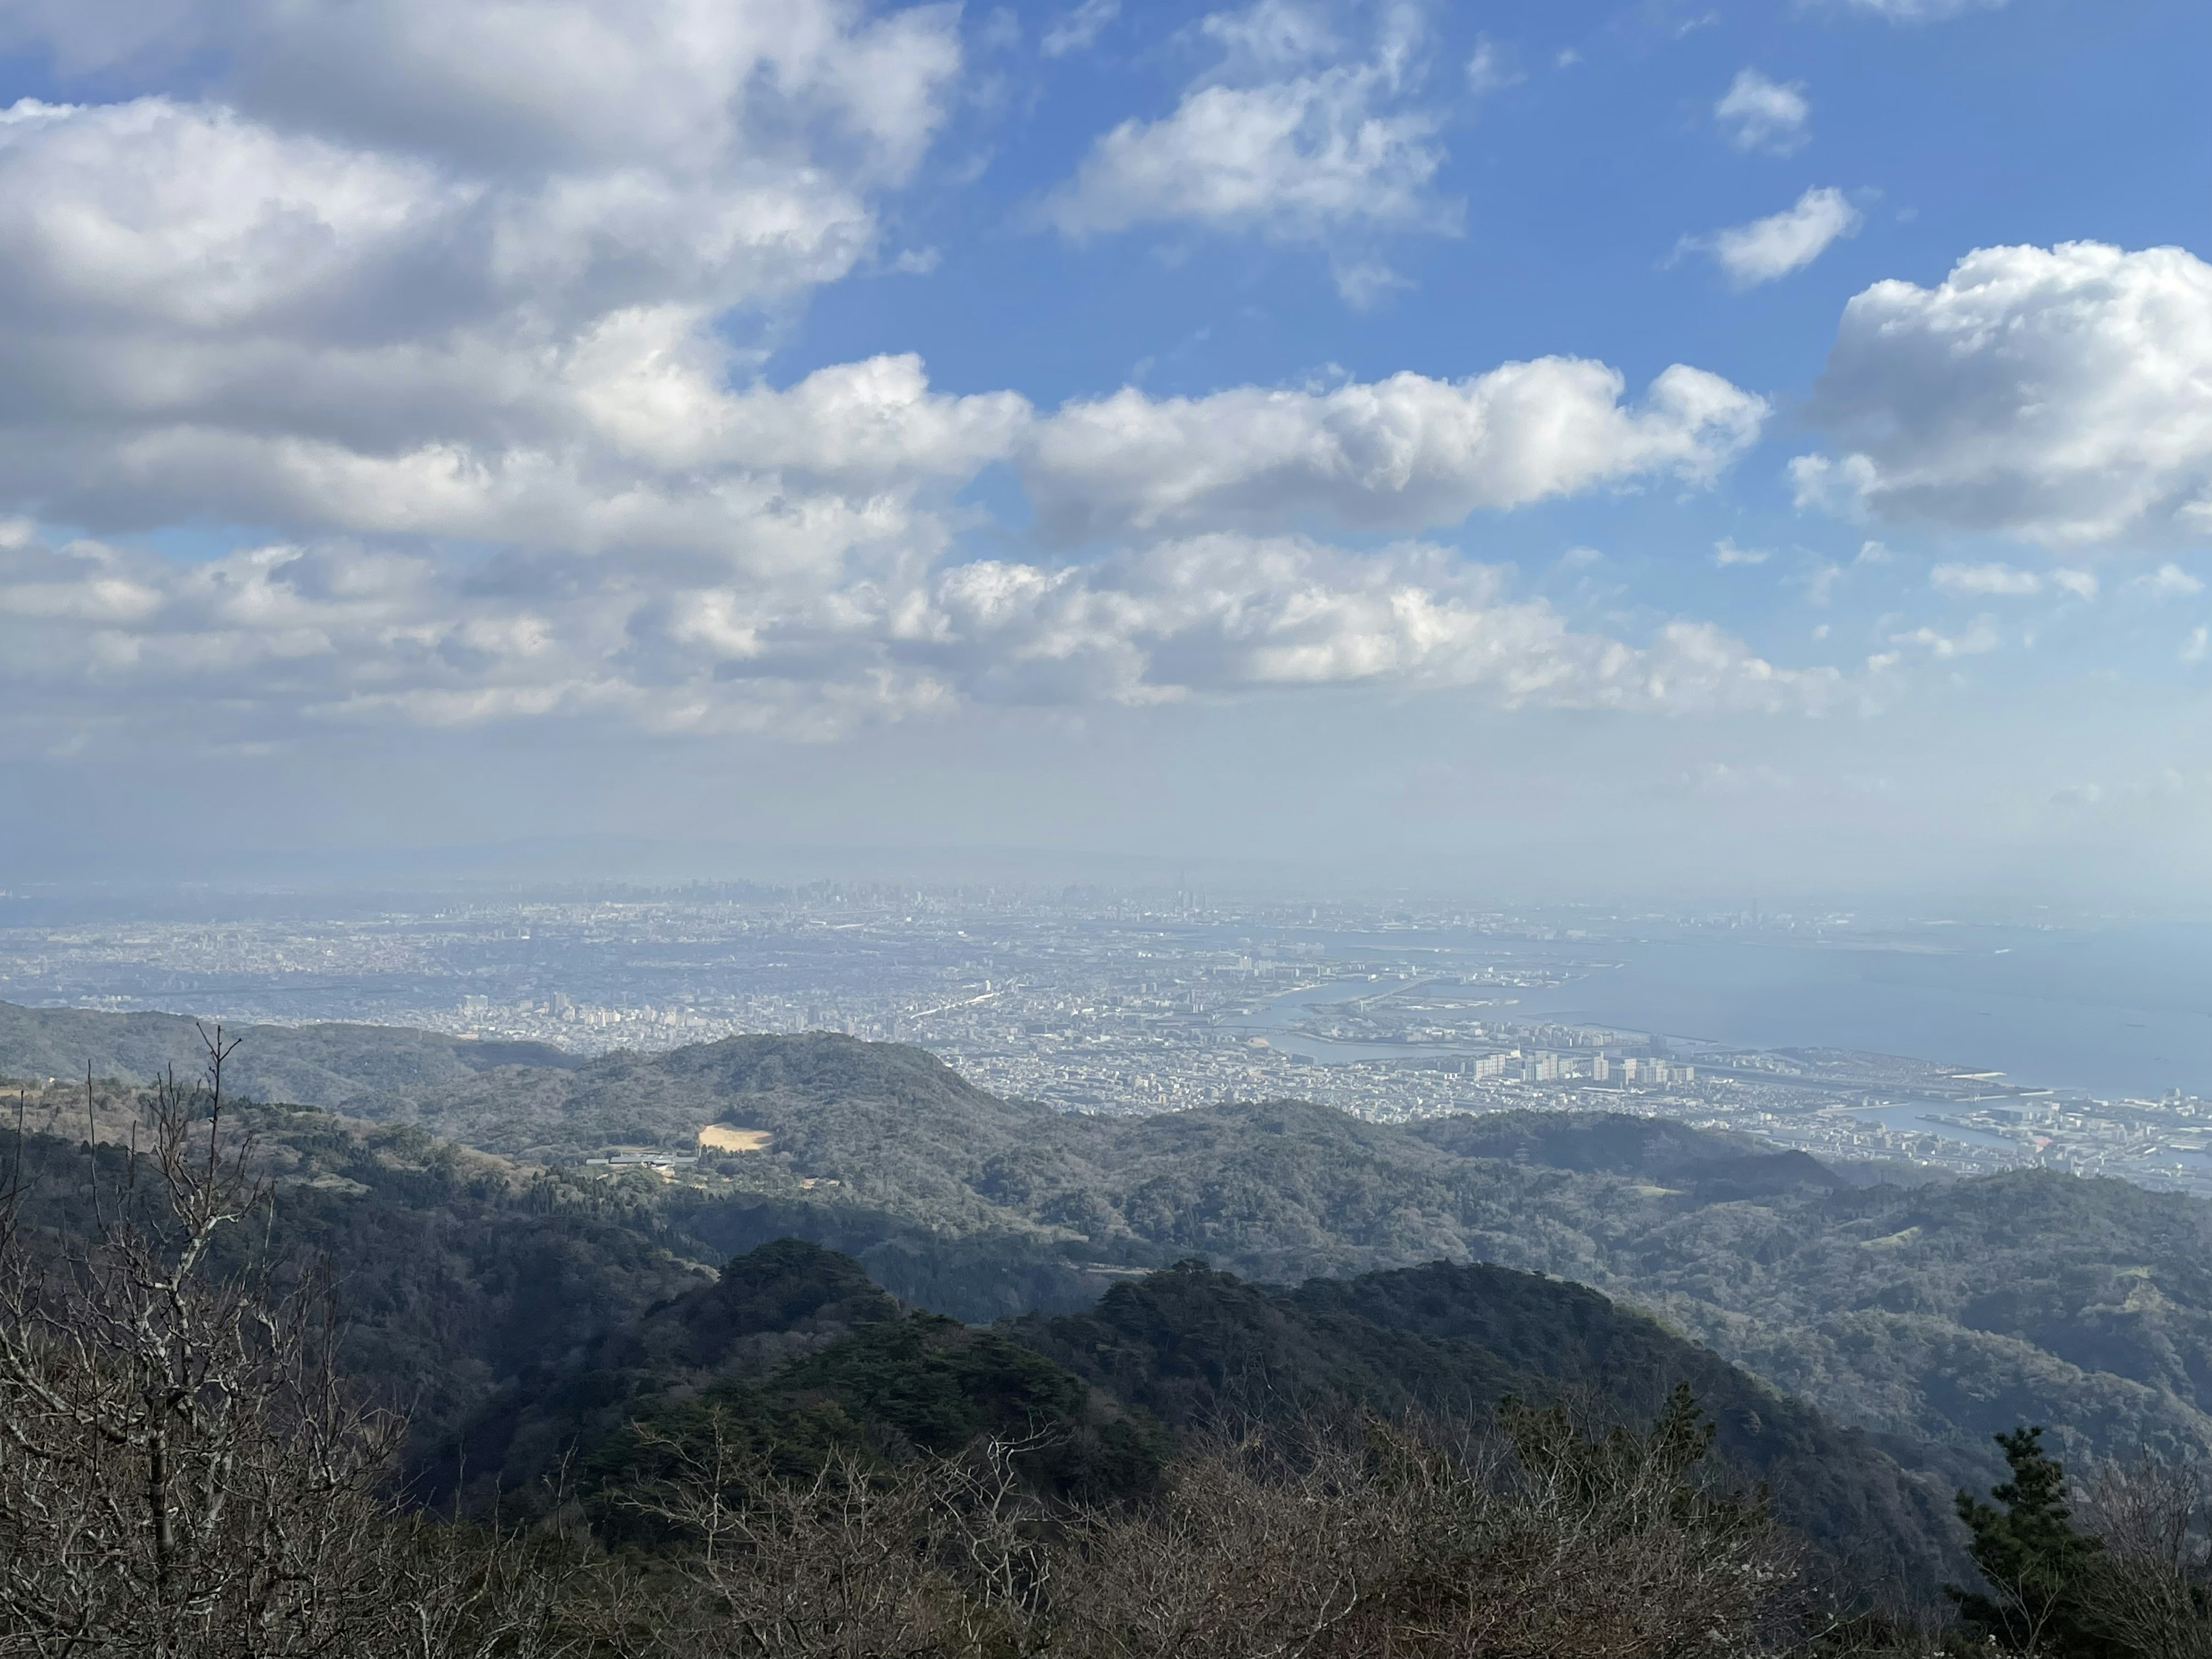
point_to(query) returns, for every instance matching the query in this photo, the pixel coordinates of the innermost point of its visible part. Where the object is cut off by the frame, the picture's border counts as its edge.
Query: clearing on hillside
(723, 1139)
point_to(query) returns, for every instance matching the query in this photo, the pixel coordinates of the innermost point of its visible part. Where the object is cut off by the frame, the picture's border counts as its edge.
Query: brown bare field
(724, 1138)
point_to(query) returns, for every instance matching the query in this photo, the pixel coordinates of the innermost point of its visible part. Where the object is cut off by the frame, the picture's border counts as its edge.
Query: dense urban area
(1099, 1002)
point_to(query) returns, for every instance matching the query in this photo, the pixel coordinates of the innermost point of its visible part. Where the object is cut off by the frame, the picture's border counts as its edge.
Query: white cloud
(1980, 638)
(1402, 453)
(569, 87)
(2197, 645)
(1782, 242)
(2062, 394)
(2082, 583)
(1079, 30)
(1306, 151)
(1272, 36)
(419, 268)
(2010, 581)
(1919, 11)
(2168, 581)
(1727, 553)
(1366, 284)
(870, 426)
(1765, 115)
(1491, 69)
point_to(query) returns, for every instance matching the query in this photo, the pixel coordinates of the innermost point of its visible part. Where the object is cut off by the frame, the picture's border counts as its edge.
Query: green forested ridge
(329, 1065)
(796, 1353)
(1947, 1311)
(453, 1275)
(1192, 1345)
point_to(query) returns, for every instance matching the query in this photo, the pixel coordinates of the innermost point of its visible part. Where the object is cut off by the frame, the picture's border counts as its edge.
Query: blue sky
(1563, 448)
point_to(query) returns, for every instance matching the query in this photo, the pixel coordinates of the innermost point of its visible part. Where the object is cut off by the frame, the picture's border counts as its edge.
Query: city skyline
(1993, 1045)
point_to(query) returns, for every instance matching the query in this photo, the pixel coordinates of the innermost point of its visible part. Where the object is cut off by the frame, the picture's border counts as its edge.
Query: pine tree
(2039, 1569)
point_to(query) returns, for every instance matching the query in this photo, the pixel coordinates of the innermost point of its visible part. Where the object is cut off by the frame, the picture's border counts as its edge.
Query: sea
(2122, 1010)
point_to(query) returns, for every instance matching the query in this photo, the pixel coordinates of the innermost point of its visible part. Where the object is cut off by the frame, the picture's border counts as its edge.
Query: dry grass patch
(724, 1138)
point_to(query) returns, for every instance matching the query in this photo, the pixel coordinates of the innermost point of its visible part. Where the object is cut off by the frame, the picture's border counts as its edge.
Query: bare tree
(182, 1471)
(2153, 1591)
(1358, 1541)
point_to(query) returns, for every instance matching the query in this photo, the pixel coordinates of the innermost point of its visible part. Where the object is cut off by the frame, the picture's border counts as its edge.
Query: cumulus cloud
(1759, 113)
(2010, 581)
(1285, 140)
(1773, 247)
(2063, 394)
(1402, 453)
(1726, 554)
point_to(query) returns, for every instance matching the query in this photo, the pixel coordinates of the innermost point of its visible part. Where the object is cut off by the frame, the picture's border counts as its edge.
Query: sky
(1563, 449)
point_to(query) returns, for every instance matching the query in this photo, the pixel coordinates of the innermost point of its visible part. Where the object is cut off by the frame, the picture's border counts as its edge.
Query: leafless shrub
(1255, 1548)
(2152, 1593)
(1407, 1541)
(1389, 1540)
(941, 1556)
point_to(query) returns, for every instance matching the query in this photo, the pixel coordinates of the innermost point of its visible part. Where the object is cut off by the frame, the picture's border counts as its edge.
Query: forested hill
(1192, 1346)
(796, 1351)
(1947, 1312)
(331, 1064)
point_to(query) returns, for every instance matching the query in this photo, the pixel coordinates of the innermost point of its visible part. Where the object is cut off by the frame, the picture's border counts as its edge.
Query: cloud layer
(401, 265)
(298, 637)
(439, 303)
